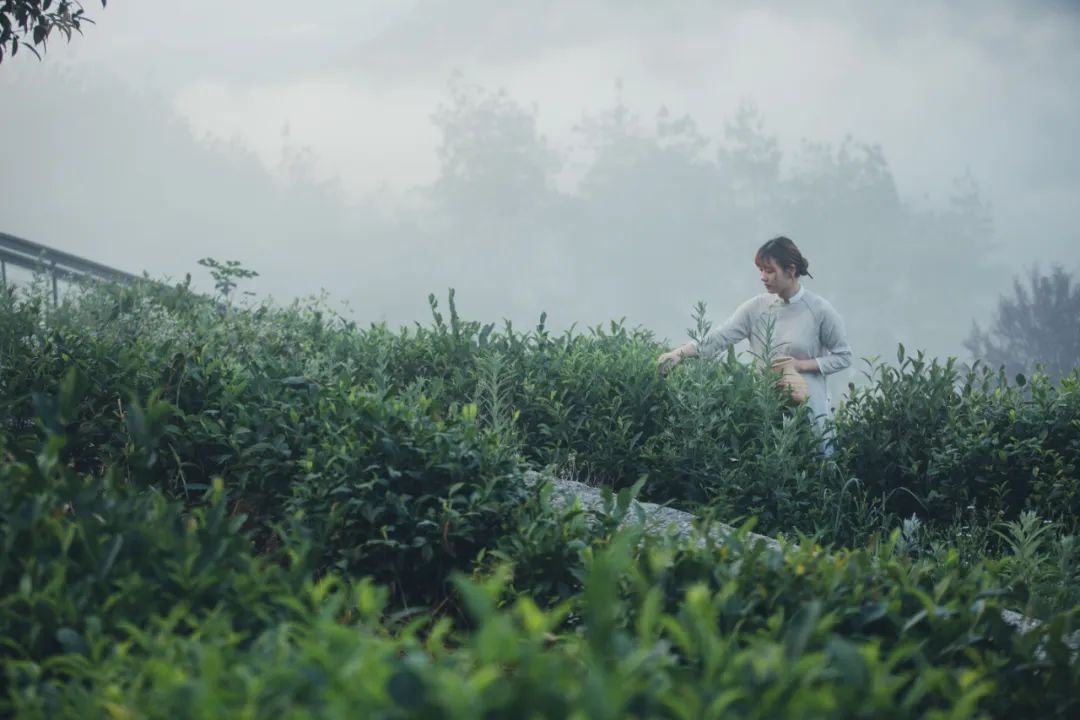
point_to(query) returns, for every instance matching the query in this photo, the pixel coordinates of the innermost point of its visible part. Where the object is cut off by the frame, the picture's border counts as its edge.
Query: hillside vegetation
(219, 511)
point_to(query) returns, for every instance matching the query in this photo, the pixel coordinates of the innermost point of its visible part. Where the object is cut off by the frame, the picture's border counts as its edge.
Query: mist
(592, 160)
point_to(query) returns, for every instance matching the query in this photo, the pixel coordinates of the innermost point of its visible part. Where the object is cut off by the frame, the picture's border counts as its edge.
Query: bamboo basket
(791, 379)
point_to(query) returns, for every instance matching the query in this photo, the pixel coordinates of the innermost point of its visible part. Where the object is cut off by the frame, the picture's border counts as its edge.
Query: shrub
(395, 491)
(925, 440)
(749, 634)
(83, 560)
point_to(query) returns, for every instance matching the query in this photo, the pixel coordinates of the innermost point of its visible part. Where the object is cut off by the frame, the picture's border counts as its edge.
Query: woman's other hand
(808, 365)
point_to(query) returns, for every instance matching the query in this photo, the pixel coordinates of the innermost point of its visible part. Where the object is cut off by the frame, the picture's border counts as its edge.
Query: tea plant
(923, 439)
(724, 631)
(403, 450)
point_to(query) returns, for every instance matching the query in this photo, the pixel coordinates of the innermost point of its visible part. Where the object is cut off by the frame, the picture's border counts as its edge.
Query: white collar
(794, 298)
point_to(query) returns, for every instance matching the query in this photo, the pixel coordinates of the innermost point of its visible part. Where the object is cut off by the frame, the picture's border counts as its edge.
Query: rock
(660, 520)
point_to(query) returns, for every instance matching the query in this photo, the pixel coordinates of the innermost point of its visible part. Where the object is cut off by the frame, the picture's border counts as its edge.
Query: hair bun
(785, 253)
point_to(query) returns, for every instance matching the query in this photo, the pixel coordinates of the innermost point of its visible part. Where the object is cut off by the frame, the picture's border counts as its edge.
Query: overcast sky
(986, 85)
(989, 88)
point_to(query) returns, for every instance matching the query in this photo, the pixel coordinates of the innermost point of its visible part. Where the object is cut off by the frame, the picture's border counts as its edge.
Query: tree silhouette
(664, 215)
(494, 162)
(1038, 326)
(493, 213)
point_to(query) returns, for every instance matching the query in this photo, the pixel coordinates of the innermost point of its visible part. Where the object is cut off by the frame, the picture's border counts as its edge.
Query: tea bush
(85, 559)
(394, 491)
(732, 442)
(250, 391)
(212, 510)
(923, 439)
(759, 634)
(403, 487)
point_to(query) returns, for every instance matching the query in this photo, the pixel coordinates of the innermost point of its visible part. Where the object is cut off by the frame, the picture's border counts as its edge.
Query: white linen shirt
(806, 326)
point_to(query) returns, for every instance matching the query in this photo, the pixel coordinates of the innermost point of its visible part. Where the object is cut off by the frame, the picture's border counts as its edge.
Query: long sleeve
(834, 343)
(735, 328)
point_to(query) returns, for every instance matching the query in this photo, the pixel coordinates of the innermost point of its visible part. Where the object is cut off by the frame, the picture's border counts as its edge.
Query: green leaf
(478, 601)
(801, 628)
(406, 688)
(72, 390)
(872, 611)
(915, 620)
(849, 662)
(71, 641)
(110, 556)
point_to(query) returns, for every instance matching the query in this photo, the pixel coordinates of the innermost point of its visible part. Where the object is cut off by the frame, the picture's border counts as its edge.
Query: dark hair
(784, 252)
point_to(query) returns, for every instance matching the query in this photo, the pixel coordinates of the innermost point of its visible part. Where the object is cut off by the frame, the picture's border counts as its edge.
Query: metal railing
(57, 263)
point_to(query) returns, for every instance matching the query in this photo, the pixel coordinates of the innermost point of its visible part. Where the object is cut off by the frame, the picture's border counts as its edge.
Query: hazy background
(595, 159)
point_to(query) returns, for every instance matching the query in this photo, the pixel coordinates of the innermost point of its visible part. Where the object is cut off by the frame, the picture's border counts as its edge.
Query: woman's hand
(809, 365)
(668, 360)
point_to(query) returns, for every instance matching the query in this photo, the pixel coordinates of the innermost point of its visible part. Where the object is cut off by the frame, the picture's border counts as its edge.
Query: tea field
(270, 512)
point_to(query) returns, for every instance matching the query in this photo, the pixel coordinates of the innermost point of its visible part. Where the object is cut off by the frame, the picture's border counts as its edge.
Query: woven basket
(791, 379)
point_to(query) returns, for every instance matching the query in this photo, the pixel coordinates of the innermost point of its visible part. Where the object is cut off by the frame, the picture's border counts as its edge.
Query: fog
(593, 159)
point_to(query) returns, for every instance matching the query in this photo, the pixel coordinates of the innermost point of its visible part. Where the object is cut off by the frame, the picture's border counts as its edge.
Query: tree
(1038, 326)
(646, 213)
(37, 19)
(492, 156)
(750, 162)
(490, 217)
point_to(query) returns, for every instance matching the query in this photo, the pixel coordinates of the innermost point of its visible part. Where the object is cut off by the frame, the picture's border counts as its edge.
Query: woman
(803, 326)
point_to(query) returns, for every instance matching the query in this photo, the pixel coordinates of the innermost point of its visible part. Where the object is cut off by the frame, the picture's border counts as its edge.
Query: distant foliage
(640, 201)
(1038, 326)
(654, 190)
(38, 20)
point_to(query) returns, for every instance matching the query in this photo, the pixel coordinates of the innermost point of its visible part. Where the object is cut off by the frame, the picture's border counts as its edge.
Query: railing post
(55, 289)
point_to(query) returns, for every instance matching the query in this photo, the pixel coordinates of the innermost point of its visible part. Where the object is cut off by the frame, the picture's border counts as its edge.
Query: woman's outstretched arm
(735, 328)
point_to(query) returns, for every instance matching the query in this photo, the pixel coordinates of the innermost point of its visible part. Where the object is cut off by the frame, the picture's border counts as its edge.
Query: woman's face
(776, 281)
